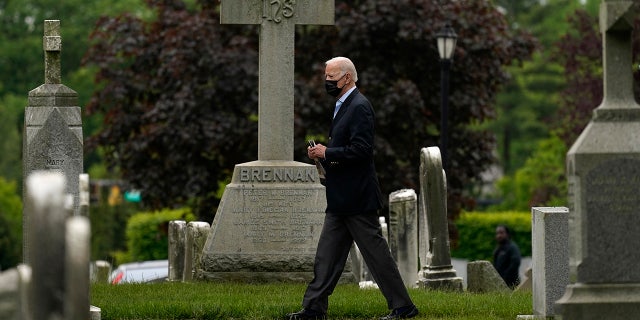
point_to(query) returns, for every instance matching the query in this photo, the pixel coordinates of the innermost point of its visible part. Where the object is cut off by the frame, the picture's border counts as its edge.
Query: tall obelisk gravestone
(269, 221)
(603, 168)
(52, 138)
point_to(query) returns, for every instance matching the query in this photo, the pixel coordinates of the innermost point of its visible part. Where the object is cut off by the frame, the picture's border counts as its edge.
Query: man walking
(353, 199)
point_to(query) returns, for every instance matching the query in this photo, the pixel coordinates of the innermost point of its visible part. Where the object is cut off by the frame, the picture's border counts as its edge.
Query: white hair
(345, 66)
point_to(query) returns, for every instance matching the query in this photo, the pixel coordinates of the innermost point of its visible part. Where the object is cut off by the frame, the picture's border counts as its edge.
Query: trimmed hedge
(476, 233)
(148, 234)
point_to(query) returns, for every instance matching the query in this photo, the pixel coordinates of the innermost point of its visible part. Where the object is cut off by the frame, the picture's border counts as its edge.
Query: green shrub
(147, 234)
(476, 233)
(10, 225)
(541, 182)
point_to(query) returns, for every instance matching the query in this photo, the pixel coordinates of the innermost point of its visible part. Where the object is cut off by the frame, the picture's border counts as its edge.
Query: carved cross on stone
(277, 20)
(52, 44)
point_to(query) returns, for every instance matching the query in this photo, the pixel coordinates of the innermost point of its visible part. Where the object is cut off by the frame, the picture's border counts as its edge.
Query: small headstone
(56, 283)
(45, 204)
(550, 242)
(84, 194)
(437, 272)
(100, 271)
(358, 265)
(527, 283)
(77, 249)
(14, 286)
(603, 170)
(177, 240)
(196, 236)
(482, 277)
(403, 234)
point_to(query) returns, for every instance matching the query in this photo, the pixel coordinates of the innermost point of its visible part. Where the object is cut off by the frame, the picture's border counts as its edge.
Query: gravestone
(14, 287)
(269, 220)
(550, 244)
(177, 239)
(100, 271)
(197, 232)
(60, 253)
(52, 126)
(437, 271)
(482, 277)
(403, 234)
(603, 169)
(77, 273)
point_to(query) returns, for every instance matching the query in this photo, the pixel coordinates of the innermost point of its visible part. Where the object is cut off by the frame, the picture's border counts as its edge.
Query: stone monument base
(269, 277)
(267, 226)
(444, 278)
(600, 301)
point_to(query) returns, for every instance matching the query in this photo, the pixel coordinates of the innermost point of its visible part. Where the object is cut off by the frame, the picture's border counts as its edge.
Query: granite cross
(52, 44)
(616, 25)
(277, 20)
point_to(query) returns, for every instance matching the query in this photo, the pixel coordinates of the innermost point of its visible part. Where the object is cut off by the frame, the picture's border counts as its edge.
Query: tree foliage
(541, 181)
(580, 53)
(179, 93)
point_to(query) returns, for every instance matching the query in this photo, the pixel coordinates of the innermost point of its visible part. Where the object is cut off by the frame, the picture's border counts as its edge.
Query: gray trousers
(336, 239)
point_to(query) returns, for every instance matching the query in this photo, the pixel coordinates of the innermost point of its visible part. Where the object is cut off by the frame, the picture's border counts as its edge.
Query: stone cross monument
(603, 169)
(269, 220)
(52, 138)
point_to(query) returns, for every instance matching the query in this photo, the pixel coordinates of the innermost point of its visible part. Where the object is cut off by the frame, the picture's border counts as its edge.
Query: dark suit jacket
(351, 180)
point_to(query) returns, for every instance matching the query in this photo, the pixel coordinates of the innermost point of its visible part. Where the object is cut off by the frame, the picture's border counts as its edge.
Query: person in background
(506, 257)
(353, 201)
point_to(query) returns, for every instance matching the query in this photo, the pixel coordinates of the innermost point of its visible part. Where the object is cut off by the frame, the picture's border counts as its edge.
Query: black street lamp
(446, 46)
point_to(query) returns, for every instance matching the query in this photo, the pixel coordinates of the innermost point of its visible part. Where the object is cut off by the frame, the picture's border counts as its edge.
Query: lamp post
(446, 46)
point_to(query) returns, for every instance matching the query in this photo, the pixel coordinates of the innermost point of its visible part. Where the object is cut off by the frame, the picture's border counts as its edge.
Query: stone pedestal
(268, 224)
(603, 168)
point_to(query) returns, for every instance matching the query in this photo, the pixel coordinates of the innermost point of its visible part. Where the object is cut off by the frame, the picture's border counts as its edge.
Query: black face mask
(332, 86)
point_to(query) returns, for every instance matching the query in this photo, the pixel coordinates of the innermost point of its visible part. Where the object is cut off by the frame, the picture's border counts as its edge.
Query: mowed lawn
(271, 301)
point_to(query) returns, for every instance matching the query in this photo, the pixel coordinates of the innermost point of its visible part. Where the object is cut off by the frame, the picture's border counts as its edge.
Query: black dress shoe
(402, 313)
(306, 314)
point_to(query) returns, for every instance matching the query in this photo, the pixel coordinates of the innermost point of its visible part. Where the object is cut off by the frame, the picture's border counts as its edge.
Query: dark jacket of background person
(506, 260)
(351, 184)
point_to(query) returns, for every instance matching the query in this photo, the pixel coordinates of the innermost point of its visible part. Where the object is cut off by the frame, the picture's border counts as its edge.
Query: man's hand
(316, 152)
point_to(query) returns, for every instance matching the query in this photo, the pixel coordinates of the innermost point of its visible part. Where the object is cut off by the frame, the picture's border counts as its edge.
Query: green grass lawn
(272, 301)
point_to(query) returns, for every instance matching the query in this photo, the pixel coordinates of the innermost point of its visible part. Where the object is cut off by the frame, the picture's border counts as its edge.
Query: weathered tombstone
(550, 244)
(77, 260)
(526, 284)
(14, 288)
(482, 277)
(437, 271)
(83, 186)
(271, 214)
(53, 126)
(403, 234)
(197, 232)
(56, 284)
(603, 169)
(100, 271)
(177, 240)
(45, 204)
